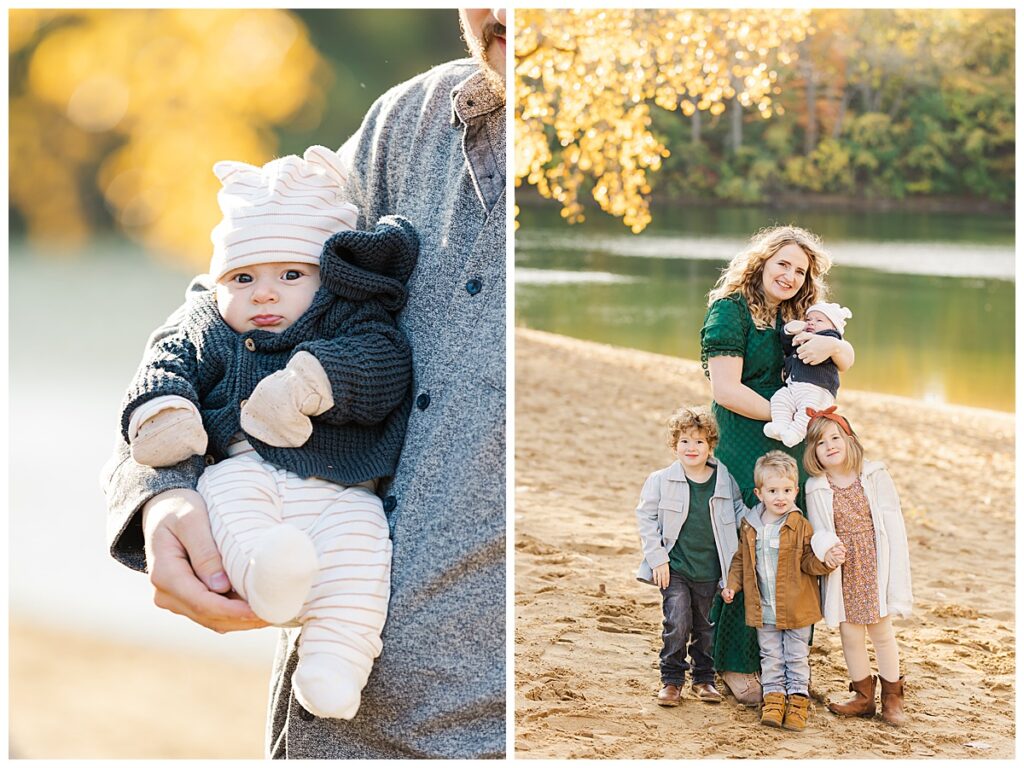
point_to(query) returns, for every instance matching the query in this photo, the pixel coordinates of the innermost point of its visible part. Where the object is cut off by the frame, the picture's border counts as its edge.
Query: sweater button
(250, 345)
(390, 502)
(423, 401)
(474, 286)
(242, 404)
(209, 460)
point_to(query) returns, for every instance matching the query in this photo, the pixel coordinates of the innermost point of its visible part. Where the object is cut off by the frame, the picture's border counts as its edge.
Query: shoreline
(590, 428)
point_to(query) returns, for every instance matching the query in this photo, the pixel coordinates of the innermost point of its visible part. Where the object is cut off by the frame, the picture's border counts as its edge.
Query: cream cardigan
(891, 549)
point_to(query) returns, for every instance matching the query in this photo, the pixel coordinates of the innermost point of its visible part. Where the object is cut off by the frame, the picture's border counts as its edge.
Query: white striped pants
(789, 404)
(345, 611)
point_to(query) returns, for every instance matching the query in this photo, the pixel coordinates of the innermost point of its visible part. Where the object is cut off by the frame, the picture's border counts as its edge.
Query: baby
(292, 377)
(807, 386)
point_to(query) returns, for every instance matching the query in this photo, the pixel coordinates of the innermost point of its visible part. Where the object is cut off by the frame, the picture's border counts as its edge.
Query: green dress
(729, 330)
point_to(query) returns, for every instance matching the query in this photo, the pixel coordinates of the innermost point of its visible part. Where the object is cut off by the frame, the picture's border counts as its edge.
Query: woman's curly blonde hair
(744, 274)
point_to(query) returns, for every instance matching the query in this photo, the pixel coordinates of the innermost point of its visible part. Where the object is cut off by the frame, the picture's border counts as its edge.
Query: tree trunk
(736, 125)
(811, 134)
(844, 99)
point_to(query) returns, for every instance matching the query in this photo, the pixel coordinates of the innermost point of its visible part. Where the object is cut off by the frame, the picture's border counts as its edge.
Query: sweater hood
(753, 517)
(360, 265)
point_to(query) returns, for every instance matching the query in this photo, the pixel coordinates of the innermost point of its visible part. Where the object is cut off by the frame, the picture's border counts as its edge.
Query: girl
(853, 507)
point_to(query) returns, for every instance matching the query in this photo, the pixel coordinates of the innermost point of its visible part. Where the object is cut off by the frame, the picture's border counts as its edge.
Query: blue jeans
(784, 664)
(686, 605)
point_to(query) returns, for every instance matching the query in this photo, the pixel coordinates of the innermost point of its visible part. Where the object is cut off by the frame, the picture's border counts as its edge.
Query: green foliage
(908, 103)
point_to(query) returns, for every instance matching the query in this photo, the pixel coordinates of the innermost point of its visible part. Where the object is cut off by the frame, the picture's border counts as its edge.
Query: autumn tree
(587, 80)
(139, 105)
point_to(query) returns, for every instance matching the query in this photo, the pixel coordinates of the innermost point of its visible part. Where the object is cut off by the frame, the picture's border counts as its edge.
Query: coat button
(390, 502)
(423, 401)
(474, 286)
(250, 345)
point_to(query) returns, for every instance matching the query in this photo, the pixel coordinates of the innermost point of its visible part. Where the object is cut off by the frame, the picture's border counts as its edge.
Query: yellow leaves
(591, 75)
(164, 94)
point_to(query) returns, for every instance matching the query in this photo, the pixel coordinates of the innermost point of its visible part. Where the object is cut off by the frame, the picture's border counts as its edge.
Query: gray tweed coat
(432, 150)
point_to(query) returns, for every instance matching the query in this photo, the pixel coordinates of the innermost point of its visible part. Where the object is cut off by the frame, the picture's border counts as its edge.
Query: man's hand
(661, 576)
(185, 568)
(728, 595)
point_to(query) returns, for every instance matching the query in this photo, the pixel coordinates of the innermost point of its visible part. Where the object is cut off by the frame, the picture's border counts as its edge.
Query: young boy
(299, 395)
(687, 518)
(776, 566)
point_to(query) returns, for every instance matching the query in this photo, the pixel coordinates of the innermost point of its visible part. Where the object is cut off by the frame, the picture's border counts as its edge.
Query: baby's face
(817, 321)
(267, 296)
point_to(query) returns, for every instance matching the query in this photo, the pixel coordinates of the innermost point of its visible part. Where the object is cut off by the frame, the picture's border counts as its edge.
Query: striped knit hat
(283, 211)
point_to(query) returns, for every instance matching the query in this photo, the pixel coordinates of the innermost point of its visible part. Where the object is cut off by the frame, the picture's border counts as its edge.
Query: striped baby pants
(345, 609)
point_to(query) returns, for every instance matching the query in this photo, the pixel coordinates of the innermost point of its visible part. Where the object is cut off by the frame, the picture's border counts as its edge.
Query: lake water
(932, 295)
(77, 329)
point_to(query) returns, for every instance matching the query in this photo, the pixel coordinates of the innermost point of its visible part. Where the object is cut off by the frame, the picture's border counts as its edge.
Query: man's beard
(481, 51)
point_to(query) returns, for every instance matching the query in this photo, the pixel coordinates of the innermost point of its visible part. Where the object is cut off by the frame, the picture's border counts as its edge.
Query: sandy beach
(80, 696)
(590, 427)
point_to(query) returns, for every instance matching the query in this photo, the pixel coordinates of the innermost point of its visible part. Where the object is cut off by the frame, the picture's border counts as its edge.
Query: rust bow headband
(830, 414)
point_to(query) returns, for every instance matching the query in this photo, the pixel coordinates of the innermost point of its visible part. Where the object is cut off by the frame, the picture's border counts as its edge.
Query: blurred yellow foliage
(137, 105)
(586, 79)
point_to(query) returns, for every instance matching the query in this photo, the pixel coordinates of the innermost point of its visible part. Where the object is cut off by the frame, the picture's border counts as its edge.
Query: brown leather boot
(863, 702)
(892, 701)
(774, 709)
(797, 712)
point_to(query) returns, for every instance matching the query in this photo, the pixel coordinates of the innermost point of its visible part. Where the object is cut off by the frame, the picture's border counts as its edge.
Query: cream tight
(883, 638)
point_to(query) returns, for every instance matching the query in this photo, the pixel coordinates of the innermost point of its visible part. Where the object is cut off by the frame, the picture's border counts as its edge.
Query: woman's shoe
(863, 702)
(892, 701)
(744, 686)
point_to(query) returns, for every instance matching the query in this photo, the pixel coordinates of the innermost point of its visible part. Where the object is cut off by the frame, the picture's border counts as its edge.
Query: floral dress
(729, 330)
(856, 530)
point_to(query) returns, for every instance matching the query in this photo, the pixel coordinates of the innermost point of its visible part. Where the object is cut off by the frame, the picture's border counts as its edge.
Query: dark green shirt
(694, 555)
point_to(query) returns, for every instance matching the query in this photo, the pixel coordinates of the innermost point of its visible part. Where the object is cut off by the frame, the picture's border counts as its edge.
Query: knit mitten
(793, 327)
(277, 413)
(166, 431)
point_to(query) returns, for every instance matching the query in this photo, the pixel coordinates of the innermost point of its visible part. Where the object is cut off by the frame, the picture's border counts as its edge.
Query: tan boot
(797, 712)
(863, 702)
(892, 701)
(774, 709)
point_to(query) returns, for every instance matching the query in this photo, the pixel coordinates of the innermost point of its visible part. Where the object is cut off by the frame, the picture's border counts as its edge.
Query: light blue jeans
(784, 664)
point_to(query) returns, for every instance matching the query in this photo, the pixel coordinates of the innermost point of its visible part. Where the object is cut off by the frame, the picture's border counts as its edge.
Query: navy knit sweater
(349, 328)
(824, 375)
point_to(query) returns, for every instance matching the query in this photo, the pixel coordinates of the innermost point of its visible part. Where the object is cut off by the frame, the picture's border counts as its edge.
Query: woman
(774, 280)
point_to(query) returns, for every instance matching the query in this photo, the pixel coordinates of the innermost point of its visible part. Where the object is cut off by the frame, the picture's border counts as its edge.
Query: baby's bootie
(771, 431)
(797, 713)
(327, 687)
(791, 436)
(774, 709)
(281, 572)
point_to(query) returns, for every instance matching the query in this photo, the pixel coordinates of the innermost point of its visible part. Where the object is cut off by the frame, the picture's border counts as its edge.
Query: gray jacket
(664, 506)
(433, 150)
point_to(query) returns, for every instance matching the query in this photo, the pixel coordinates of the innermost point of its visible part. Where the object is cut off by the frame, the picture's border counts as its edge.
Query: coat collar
(753, 518)
(820, 483)
(473, 98)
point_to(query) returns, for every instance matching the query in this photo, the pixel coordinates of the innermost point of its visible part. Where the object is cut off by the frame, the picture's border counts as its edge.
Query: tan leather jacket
(797, 602)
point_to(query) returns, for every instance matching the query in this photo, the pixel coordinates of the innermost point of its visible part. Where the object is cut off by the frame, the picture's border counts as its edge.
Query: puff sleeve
(724, 332)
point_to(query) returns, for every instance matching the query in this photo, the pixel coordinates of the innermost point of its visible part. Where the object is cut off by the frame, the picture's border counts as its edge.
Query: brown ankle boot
(863, 702)
(892, 701)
